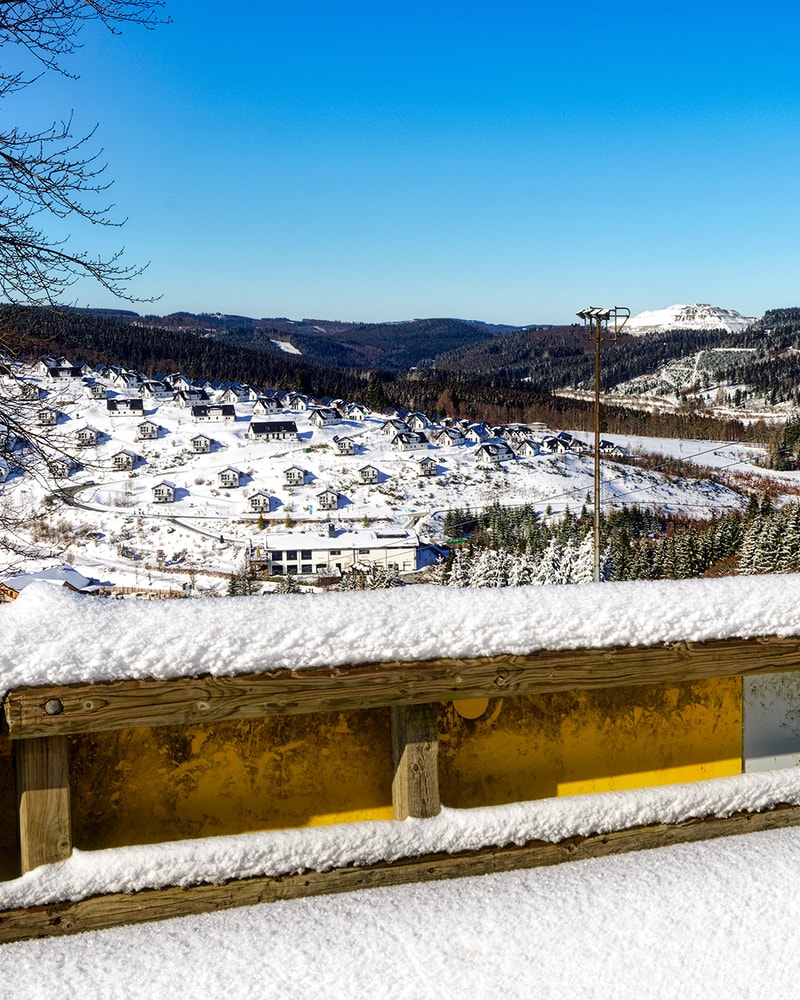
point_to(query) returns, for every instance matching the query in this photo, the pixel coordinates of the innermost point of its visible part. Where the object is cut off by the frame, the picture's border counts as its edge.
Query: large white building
(328, 553)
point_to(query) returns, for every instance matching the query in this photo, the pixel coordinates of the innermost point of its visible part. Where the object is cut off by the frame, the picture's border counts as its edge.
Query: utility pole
(597, 321)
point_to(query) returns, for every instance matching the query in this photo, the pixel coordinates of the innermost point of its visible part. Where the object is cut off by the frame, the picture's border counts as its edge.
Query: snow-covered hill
(101, 509)
(698, 316)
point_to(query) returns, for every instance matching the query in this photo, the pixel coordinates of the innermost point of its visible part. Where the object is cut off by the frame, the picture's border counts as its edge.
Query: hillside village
(171, 483)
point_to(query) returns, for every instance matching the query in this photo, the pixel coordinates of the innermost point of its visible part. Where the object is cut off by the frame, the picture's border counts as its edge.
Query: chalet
(214, 411)
(294, 476)
(272, 430)
(417, 421)
(356, 411)
(408, 440)
(329, 554)
(612, 450)
(86, 437)
(297, 401)
(476, 434)
(344, 445)
(328, 500)
(164, 492)
(47, 417)
(368, 474)
(446, 436)
(178, 382)
(122, 406)
(528, 448)
(260, 503)
(61, 466)
(553, 446)
(147, 431)
(189, 396)
(493, 451)
(124, 460)
(62, 374)
(156, 389)
(393, 426)
(324, 415)
(266, 405)
(229, 477)
(201, 444)
(12, 586)
(94, 390)
(424, 466)
(125, 379)
(232, 394)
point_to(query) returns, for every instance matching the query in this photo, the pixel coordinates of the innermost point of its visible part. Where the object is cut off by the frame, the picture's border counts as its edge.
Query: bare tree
(50, 174)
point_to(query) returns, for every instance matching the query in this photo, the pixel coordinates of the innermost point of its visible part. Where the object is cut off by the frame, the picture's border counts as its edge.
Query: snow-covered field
(716, 919)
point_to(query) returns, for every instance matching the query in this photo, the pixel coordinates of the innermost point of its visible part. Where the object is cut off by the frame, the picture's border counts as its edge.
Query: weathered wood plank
(45, 829)
(40, 711)
(415, 758)
(161, 904)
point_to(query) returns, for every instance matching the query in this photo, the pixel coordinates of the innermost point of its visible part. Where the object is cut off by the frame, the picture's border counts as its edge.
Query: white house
(229, 477)
(272, 430)
(86, 436)
(164, 492)
(147, 431)
(368, 474)
(260, 503)
(201, 444)
(344, 446)
(330, 553)
(294, 476)
(123, 460)
(328, 500)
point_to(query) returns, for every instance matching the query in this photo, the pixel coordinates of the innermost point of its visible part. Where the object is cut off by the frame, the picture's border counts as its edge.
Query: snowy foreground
(692, 921)
(54, 637)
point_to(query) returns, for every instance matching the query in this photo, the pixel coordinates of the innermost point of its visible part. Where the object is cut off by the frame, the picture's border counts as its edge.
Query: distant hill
(698, 316)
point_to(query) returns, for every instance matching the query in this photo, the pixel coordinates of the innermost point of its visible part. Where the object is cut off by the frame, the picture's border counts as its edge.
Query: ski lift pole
(597, 320)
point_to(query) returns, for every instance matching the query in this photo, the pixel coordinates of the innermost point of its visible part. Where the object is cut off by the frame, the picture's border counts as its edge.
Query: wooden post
(415, 757)
(45, 829)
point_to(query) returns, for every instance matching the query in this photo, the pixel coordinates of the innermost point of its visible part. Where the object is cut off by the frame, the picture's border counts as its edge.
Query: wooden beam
(41, 711)
(415, 758)
(45, 828)
(161, 904)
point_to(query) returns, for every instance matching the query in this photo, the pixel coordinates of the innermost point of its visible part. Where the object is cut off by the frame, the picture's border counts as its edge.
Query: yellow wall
(146, 785)
(590, 741)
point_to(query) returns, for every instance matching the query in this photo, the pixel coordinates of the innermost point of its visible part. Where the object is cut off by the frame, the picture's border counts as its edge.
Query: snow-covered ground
(113, 530)
(715, 919)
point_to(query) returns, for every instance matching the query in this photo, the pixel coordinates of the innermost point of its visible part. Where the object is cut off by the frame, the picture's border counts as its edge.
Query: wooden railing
(40, 719)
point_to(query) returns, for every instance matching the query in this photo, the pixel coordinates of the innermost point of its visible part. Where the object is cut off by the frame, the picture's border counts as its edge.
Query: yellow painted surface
(590, 741)
(145, 785)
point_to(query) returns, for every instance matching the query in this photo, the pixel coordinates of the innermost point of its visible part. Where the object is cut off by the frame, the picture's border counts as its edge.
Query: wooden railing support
(415, 757)
(45, 827)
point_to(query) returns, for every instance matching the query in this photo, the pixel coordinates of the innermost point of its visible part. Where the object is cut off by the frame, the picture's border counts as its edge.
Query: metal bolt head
(54, 707)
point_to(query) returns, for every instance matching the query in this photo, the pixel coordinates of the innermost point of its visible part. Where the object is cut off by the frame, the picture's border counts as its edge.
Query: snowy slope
(698, 316)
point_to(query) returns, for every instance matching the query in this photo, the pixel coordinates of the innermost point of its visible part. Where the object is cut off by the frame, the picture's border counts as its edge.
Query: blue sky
(511, 162)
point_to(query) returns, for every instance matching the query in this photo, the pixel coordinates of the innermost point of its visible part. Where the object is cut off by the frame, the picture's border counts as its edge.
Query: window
(305, 554)
(336, 552)
(306, 568)
(292, 570)
(277, 555)
(363, 552)
(277, 570)
(291, 555)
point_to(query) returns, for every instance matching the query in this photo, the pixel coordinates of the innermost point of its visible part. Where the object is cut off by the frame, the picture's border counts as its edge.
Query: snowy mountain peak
(698, 316)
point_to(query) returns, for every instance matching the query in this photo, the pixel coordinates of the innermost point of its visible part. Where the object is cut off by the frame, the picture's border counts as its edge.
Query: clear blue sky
(510, 162)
